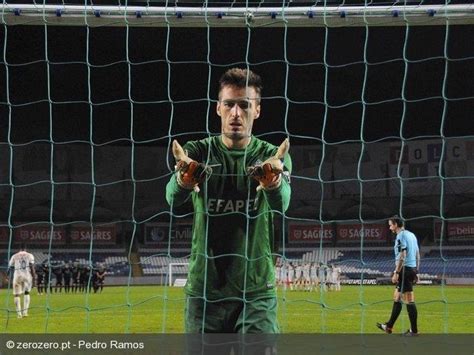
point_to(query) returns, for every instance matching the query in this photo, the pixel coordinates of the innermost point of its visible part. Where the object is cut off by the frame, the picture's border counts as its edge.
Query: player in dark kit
(76, 274)
(99, 279)
(84, 279)
(58, 273)
(236, 182)
(67, 273)
(47, 278)
(39, 278)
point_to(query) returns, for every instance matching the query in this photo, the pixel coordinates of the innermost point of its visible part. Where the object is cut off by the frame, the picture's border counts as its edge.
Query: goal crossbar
(177, 16)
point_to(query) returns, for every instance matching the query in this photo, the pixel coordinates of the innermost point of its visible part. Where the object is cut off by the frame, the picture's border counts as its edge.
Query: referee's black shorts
(406, 279)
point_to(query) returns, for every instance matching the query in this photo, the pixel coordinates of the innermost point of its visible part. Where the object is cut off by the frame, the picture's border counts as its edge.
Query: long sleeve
(175, 194)
(279, 199)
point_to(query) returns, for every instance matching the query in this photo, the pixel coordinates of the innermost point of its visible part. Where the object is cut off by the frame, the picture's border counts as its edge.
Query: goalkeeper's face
(238, 108)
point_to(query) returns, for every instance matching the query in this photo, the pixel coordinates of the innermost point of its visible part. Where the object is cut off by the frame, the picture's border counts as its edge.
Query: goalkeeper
(236, 183)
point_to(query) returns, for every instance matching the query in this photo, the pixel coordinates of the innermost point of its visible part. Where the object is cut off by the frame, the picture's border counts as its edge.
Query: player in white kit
(291, 275)
(329, 279)
(22, 264)
(322, 277)
(306, 277)
(283, 275)
(314, 270)
(298, 276)
(336, 275)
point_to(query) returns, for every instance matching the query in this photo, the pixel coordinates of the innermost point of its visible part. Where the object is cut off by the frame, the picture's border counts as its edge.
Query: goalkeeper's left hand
(268, 173)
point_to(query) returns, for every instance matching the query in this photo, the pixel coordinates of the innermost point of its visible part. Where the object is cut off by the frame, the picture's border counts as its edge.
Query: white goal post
(207, 16)
(178, 282)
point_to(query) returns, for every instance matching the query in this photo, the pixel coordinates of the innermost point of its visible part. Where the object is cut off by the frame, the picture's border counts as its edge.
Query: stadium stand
(156, 263)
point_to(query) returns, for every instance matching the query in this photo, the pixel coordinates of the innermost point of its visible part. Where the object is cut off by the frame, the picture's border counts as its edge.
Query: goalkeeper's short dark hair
(397, 220)
(241, 78)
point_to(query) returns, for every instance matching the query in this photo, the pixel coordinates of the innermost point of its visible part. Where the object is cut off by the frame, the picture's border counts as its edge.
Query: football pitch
(158, 309)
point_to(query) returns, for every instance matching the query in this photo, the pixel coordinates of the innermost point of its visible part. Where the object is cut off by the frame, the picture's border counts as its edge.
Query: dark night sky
(294, 91)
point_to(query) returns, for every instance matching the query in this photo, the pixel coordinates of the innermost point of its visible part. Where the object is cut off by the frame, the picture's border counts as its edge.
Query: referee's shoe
(409, 333)
(384, 327)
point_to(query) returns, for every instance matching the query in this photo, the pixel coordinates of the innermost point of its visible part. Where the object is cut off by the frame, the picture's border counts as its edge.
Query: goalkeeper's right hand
(189, 173)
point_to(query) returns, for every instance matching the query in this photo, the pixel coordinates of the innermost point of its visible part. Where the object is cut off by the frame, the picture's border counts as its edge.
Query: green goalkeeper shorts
(257, 316)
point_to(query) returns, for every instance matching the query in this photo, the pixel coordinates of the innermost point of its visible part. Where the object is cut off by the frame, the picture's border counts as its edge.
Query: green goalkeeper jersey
(233, 236)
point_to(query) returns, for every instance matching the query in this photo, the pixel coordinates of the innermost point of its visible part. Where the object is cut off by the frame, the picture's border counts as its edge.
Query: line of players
(308, 276)
(72, 277)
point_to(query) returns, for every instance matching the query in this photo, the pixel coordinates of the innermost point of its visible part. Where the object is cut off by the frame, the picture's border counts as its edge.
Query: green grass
(155, 309)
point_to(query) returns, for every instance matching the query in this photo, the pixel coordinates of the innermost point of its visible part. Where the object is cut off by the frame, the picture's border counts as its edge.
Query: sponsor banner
(460, 230)
(100, 234)
(162, 233)
(370, 232)
(302, 232)
(359, 281)
(305, 232)
(40, 234)
(455, 231)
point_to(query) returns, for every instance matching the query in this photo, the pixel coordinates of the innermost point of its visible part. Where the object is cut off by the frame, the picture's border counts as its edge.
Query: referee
(407, 263)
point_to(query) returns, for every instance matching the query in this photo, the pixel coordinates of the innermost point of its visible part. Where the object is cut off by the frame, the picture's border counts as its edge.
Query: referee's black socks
(396, 309)
(413, 315)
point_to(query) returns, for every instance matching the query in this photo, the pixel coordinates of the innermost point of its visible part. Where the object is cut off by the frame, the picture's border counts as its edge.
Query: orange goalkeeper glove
(268, 173)
(189, 173)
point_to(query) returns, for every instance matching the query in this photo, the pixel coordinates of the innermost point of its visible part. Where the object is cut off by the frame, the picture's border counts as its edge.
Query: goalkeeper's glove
(268, 173)
(189, 173)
